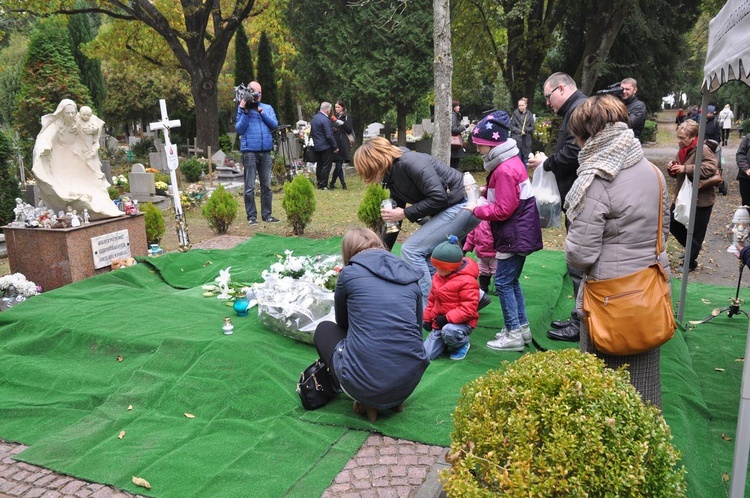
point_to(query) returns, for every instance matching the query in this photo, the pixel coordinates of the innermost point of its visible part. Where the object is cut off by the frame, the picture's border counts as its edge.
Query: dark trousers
(745, 190)
(338, 172)
(725, 135)
(323, 168)
(702, 217)
(576, 276)
(327, 336)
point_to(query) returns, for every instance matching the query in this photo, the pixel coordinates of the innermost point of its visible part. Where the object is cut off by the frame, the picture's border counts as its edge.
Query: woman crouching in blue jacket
(374, 349)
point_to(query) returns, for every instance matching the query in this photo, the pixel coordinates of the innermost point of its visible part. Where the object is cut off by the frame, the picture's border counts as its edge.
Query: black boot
(484, 282)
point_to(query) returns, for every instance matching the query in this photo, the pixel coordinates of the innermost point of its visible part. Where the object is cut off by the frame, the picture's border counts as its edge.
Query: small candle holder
(228, 327)
(390, 226)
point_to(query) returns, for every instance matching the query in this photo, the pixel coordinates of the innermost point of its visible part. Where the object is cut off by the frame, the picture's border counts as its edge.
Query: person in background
(514, 220)
(613, 208)
(726, 117)
(427, 191)
(457, 129)
(321, 131)
(681, 116)
(522, 128)
(743, 169)
(374, 349)
(636, 108)
(683, 167)
(255, 120)
(713, 125)
(343, 128)
(452, 311)
(562, 95)
(480, 241)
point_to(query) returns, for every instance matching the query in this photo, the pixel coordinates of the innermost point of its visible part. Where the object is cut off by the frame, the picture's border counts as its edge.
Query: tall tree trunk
(203, 88)
(443, 76)
(602, 28)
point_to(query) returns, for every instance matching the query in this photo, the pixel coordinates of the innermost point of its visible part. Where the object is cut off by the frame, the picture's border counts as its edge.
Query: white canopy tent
(727, 59)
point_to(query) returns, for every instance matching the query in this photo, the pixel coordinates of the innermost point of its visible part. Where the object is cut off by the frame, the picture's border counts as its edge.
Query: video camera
(613, 89)
(242, 92)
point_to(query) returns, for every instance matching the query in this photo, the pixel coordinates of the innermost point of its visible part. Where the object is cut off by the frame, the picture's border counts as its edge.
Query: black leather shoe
(560, 324)
(570, 333)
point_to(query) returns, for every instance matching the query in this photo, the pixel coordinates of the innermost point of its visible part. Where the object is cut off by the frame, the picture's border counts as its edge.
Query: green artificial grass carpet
(137, 349)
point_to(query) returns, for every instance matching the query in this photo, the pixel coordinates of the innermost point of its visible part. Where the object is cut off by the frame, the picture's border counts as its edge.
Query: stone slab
(53, 258)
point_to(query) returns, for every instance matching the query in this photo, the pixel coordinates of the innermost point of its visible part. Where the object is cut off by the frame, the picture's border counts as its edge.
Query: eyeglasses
(547, 96)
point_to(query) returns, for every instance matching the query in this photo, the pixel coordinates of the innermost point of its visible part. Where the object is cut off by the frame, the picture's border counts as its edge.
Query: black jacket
(743, 158)
(564, 161)
(713, 129)
(637, 113)
(429, 185)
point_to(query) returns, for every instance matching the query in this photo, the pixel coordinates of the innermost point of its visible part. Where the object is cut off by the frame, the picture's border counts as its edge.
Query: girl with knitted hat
(452, 306)
(510, 208)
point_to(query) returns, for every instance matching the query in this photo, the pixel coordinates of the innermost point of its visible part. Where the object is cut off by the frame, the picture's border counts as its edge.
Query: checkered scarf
(603, 155)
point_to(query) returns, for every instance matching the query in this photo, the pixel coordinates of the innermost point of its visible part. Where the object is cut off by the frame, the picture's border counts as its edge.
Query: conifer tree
(266, 76)
(50, 74)
(80, 32)
(288, 107)
(243, 58)
(9, 189)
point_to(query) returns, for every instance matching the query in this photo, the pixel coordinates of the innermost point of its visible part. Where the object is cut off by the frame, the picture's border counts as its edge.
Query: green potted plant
(369, 209)
(154, 220)
(220, 210)
(299, 203)
(559, 423)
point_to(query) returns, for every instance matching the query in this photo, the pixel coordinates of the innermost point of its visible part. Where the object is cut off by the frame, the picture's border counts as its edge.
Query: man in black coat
(636, 108)
(321, 131)
(562, 95)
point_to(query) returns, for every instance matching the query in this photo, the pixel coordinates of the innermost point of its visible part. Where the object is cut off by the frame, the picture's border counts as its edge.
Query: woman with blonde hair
(683, 167)
(374, 349)
(613, 208)
(427, 191)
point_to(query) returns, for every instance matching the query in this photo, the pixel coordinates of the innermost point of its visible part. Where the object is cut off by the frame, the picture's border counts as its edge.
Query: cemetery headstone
(142, 184)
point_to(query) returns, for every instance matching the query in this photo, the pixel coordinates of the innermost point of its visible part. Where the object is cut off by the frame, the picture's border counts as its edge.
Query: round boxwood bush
(220, 210)
(559, 423)
(192, 169)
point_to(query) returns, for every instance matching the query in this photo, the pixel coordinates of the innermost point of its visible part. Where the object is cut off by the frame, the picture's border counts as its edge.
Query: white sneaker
(525, 333)
(511, 342)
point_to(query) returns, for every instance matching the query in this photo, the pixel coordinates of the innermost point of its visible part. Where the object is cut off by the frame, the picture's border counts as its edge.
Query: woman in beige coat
(684, 166)
(613, 208)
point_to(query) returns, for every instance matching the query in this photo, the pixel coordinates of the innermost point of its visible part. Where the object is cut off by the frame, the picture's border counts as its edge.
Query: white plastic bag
(544, 188)
(682, 204)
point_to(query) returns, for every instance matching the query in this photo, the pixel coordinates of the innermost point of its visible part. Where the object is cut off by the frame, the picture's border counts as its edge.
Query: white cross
(172, 162)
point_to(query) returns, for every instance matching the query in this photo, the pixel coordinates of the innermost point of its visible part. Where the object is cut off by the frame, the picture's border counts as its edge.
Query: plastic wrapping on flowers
(297, 294)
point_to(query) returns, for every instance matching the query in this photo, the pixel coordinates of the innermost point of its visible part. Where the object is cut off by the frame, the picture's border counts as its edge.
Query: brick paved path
(382, 468)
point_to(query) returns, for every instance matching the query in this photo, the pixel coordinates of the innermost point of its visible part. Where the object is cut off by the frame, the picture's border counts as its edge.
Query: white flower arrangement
(297, 293)
(24, 288)
(120, 180)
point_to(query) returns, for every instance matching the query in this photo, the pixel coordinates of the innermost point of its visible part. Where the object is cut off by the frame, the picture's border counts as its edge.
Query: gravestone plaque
(427, 126)
(107, 248)
(417, 131)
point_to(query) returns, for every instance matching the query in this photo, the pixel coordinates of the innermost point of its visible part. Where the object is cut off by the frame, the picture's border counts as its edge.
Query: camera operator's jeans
(418, 248)
(260, 163)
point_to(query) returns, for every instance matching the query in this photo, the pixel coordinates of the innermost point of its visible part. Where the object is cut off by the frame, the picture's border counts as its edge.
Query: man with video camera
(255, 120)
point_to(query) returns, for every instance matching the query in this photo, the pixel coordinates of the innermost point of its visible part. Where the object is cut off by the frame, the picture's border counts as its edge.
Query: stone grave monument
(158, 159)
(143, 187)
(68, 173)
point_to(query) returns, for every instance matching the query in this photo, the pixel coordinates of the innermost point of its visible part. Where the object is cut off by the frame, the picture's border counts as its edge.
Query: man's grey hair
(557, 79)
(325, 106)
(629, 81)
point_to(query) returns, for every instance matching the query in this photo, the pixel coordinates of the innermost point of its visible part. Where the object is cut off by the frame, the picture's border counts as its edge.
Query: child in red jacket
(452, 305)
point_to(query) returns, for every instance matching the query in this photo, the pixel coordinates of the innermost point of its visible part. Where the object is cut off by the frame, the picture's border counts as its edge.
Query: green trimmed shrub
(559, 423)
(142, 148)
(191, 169)
(155, 226)
(225, 143)
(220, 210)
(299, 203)
(648, 134)
(9, 188)
(369, 209)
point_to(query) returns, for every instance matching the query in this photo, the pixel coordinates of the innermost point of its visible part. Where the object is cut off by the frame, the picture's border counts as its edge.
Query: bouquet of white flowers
(297, 294)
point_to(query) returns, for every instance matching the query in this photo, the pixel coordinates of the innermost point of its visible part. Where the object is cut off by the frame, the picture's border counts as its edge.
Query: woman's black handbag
(309, 155)
(316, 386)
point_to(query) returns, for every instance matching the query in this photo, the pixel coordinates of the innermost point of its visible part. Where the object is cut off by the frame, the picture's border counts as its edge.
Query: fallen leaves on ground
(139, 481)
